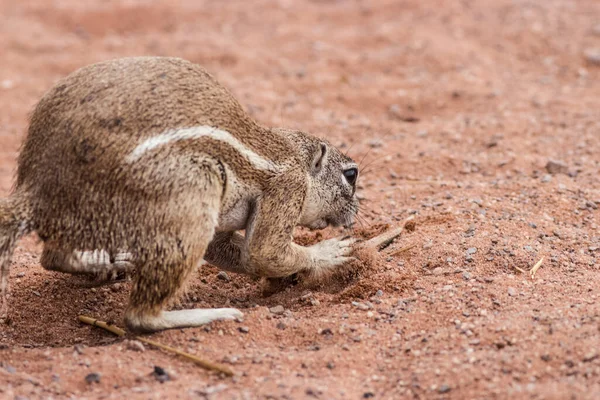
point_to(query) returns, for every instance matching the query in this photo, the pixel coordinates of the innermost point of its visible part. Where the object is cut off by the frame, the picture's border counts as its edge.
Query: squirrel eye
(351, 174)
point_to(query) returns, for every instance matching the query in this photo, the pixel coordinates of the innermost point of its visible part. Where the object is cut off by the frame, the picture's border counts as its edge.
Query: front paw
(332, 252)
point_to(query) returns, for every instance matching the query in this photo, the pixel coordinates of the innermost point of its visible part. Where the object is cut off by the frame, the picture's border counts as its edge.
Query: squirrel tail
(15, 221)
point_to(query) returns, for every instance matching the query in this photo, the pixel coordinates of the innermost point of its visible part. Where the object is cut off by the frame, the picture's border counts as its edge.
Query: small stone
(281, 325)
(592, 56)
(375, 143)
(160, 374)
(512, 292)
(326, 331)
(557, 167)
(277, 310)
(360, 306)
(472, 250)
(20, 274)
(467, 275)
(94, 377)
(244, 329)
(222, 275)
(379, 293)
(591, 356)
(330, 365)
(444, 388)
(135, 345)
(546, 178)
(210, 390)
(438, 271)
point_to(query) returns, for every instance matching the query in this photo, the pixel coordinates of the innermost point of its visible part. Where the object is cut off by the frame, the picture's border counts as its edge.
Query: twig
(402, 250)
(120, 332)
(101, 324)
(536, 267)
(521, 270)
(203, 363)
(384, 239)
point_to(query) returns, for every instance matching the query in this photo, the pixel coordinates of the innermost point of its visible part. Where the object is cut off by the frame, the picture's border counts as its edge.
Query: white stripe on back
(197, 132)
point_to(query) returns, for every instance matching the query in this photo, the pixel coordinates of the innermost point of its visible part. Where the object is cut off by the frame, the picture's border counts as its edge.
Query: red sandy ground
(456, 108)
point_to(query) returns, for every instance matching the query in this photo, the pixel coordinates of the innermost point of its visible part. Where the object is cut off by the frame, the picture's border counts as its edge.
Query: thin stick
(384, 239)
(101, 324)
(536, 267)
(521, 270)
(120, 332)
(402, 250)
(203, 363)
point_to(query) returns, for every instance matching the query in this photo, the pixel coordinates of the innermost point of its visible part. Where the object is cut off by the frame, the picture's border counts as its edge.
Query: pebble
(20, 274)
(222, 275)
(244, 329)
(444, 388)
(94, 377)
(281, 325)
(592, 56)
(472, 250)
(546, 178)
(210, 390)
(438, 271)
(557, 167)
(467, 275)
(512, 292)
(375, 143)
(135, 345)
(277, 310)
(160, 374)
(360, 306)
(326, 331)
(591, 356)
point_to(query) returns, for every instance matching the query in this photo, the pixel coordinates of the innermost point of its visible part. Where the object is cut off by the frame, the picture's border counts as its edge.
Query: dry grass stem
(536, 267)
(521, 270)
(384, 239)
(120, 332)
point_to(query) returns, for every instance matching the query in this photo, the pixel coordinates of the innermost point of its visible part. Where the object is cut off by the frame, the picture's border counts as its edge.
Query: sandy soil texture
(480, 118)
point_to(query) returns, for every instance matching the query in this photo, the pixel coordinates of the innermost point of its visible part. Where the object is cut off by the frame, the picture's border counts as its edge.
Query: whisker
(349, 148)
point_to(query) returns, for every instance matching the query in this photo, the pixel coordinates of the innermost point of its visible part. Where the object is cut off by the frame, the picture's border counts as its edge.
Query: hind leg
(172, 251)
(97, 262)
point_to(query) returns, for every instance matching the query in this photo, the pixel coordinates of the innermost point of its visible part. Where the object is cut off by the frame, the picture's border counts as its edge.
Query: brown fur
(180, 201)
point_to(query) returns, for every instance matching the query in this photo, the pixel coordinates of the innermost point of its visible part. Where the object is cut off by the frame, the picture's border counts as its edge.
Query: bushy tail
(15, 217)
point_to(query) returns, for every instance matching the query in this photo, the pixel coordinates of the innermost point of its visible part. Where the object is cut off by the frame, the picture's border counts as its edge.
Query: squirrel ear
(319, 159)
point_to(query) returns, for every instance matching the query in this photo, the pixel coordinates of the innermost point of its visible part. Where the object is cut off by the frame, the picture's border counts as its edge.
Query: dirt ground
(454, 108)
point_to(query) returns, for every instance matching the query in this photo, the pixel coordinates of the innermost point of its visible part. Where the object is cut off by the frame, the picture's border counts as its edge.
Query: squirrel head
(331, 197)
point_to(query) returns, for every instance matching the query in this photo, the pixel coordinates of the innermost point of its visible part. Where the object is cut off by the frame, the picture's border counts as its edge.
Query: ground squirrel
(150, 163)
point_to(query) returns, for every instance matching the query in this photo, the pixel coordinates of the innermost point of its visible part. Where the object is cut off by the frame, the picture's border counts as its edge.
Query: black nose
(351, 174)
